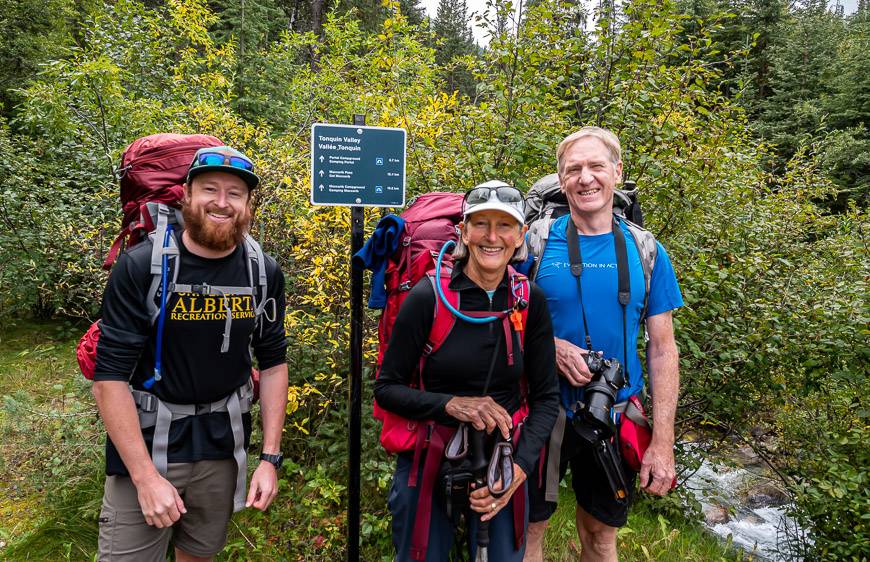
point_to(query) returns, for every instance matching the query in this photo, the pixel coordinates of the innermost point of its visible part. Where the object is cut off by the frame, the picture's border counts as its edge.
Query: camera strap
(623, 280)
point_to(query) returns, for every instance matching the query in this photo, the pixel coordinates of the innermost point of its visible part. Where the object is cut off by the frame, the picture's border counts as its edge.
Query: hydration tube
(473, 320)
(158, 359)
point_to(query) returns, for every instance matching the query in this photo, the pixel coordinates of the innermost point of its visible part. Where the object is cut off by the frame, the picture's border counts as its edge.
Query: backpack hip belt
(160, 414)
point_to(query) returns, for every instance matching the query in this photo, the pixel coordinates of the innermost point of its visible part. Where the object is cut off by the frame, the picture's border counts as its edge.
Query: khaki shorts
(206, 487)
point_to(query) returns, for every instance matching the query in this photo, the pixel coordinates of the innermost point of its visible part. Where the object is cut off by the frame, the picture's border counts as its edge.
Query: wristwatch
(274, 460)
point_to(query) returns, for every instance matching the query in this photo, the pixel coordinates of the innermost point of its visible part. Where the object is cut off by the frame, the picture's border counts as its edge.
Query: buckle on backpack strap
(145, 401)
(405, 286)
(203, 289)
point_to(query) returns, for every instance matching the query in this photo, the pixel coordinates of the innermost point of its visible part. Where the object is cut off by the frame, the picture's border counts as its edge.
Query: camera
(592, 419)
(593, 423)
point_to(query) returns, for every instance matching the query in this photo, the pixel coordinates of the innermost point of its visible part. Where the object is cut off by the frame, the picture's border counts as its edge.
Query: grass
(51, 463)
(648, 536)
(49, 489)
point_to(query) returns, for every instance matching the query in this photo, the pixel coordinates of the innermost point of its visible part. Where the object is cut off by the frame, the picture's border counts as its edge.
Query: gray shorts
(206, 487)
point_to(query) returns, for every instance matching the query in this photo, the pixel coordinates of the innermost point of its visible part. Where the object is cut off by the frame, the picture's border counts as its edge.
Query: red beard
(217, 237)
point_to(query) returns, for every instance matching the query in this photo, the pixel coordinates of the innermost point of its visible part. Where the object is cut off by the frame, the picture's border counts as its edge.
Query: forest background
(743, 122)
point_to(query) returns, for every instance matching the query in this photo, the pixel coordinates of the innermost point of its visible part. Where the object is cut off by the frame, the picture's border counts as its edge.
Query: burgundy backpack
(153, 170)
(430, 221)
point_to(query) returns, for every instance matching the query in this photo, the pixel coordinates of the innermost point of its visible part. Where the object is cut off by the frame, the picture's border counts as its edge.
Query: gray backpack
(545, 203)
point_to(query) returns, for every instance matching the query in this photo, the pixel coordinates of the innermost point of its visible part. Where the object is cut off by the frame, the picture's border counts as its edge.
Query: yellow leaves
(296, 395)
(192, 19)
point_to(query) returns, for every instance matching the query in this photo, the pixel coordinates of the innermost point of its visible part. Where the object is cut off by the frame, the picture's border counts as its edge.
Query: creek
(740, 499)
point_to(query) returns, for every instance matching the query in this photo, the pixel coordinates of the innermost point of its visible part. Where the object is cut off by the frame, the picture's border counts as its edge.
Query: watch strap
(275, 460)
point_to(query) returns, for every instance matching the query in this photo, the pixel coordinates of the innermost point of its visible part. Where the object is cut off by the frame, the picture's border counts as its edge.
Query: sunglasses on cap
(504, 193)
(220, 159)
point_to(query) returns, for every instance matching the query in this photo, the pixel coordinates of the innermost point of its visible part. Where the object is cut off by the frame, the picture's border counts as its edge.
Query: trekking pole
(478, 468)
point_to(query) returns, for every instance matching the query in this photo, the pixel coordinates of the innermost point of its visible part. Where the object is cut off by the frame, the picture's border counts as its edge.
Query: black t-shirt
(194, 371)
(460, 366)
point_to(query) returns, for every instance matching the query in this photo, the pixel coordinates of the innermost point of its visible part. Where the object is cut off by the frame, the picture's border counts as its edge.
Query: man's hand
(657, 470)
(264, 486)
(161, 505)
(482, 412)
(570, 362)
(488, 506)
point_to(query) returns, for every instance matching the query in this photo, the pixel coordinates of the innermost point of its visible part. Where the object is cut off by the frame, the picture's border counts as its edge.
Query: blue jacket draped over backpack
(374, 255)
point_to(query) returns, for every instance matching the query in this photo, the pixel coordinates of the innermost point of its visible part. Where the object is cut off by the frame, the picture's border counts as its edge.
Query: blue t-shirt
(603, 311)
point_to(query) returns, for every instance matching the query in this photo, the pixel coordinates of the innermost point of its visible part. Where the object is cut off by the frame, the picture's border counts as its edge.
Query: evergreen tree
(454, 41)
(252, 23)
(742, 29)
(32, 31)
(846, 151)
(801, 77)
(371, 13)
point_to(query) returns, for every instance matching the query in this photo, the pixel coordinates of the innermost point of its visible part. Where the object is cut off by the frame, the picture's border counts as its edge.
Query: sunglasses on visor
(505, 194)
(219, 159)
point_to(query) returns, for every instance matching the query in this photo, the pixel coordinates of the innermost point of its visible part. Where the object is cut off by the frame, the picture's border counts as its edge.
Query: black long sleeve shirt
(194, 369)
(460, 366)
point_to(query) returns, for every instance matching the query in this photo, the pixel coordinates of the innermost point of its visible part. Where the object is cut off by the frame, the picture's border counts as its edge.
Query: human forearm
(657, 469)
(665, 382)
(411, 403)
(664, 372)
(273, 404)
(118, 412)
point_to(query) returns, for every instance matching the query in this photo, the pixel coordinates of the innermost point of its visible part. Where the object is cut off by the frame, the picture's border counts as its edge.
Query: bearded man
(175, 453)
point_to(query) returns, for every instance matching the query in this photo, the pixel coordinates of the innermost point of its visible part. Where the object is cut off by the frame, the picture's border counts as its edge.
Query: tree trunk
(317, 27)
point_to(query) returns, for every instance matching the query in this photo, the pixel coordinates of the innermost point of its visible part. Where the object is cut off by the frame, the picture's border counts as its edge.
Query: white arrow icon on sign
(321, 158)
(321, 173)
(321, 187)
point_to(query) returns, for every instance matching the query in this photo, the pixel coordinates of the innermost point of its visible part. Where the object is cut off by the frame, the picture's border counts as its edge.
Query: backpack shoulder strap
(648, 251)
(539, 233)
(256, 272)
(443, 321)
(524, 290)
(164, 216)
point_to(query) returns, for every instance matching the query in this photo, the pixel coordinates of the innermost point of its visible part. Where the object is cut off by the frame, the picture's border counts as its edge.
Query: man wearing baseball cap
(175, 454)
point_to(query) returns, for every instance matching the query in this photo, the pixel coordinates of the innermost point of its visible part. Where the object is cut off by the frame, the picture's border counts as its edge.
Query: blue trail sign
(354, 165)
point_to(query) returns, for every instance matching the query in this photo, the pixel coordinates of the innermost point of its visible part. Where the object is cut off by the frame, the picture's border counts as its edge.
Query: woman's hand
(488, 506)
(482, 412)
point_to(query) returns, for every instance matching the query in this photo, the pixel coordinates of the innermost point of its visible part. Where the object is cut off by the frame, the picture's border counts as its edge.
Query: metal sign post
(357, 220)
(356, 166)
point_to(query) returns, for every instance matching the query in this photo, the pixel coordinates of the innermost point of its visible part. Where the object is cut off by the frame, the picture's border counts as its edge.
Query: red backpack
(430, 221)
(153, 170)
